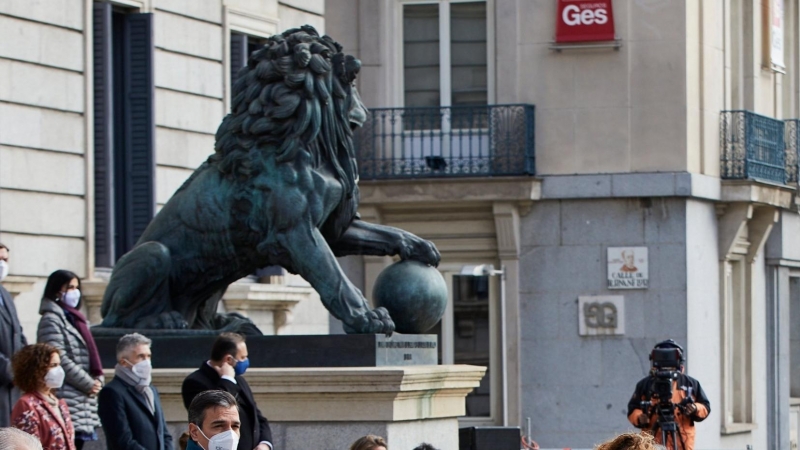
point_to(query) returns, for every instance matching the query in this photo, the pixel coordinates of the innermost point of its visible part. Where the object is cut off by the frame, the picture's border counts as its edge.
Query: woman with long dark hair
(64, 327)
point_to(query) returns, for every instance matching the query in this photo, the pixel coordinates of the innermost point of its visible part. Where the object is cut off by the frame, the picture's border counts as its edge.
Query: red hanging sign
(584, 21)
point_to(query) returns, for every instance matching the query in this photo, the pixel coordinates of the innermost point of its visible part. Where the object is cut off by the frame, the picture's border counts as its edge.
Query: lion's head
(295, 94)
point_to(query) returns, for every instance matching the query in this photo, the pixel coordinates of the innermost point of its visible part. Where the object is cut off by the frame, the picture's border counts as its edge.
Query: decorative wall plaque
(601, 315)
(627, 268)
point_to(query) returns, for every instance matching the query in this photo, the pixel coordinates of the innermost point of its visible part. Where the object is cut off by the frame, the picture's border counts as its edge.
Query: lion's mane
(292, 96)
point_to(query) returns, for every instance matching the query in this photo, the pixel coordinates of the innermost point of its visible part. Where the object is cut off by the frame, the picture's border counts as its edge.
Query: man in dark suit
(11, 340)
(224, 372)
(129, 407)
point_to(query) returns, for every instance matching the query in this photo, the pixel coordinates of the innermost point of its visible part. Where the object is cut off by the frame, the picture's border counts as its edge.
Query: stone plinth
(269, 306)
(92, 294)
(184, 349)
(329, 408)
(17, 285)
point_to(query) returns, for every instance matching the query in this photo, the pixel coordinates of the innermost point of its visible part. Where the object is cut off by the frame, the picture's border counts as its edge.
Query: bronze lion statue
(280, 189)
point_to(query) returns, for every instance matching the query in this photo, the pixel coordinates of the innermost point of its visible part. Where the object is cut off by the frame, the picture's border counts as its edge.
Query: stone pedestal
(17, 285)
(329, 408)
(92, 294)
(269, 306)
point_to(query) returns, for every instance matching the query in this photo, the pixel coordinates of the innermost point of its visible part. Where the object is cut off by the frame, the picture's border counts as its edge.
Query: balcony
(459, 141)
(752, 148)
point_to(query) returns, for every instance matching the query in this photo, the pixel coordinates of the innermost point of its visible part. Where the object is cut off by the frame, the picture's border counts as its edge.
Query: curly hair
(630, 441)
(369, 442)
(30, 365)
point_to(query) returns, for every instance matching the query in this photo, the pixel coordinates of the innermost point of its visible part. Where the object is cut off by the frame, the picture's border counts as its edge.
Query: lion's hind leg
(137, 295)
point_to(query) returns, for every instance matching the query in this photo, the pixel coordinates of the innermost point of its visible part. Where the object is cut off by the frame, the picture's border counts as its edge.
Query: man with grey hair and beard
(14, 439)
(129, 407)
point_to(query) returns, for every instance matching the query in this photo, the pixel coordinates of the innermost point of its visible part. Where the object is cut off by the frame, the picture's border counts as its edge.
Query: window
(737, 58)
(443, 75)
(469, 333)
(242, 45)
(124, 130)
(794, 338)
(737, 342)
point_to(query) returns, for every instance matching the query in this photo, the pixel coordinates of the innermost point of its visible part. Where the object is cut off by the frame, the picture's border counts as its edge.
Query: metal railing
(792, 140)
(458, 141)
(752, 147)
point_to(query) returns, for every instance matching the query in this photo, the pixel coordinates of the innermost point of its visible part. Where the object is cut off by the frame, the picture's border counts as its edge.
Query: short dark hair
(425, 446)
(208, 399)
(56, 281)
(5, 247)
(225, 345)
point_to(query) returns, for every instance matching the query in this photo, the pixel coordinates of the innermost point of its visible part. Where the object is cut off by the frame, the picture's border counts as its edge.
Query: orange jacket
(680, 390)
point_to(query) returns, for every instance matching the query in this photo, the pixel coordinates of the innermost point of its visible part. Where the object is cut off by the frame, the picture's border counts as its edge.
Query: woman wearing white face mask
(37, 373)
(63, 326)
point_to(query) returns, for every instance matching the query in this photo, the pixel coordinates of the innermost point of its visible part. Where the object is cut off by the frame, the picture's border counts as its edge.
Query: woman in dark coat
(63, 326)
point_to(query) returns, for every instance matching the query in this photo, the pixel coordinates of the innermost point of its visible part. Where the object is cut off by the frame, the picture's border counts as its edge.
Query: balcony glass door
(445, 87)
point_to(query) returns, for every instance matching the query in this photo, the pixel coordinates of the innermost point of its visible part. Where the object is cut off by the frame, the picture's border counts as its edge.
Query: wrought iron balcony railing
(752, 147)
(792, 140)
(458, 141)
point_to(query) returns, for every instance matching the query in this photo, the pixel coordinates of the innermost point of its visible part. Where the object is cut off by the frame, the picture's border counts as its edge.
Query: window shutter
(238, 55)
(139, 126)
(103, 137)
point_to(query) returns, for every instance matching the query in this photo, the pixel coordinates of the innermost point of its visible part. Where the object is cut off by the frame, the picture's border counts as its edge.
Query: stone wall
(579, 386)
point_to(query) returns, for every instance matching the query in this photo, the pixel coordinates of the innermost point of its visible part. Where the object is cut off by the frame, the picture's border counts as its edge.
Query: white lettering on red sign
(584, 20)
(572, 16)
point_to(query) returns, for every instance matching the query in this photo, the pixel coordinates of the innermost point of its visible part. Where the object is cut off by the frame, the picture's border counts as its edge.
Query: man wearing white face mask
(130, 408)
(11, 341)
(213, 422)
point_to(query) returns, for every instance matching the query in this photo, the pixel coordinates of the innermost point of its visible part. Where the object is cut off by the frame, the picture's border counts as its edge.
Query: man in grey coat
(11, 340)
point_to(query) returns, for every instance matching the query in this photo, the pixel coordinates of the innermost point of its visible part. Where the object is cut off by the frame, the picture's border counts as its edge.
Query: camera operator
(651, 407)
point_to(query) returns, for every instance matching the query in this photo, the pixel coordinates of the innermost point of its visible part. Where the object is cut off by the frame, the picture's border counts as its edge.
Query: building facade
(106, 107)
(548, 174)
(661, 159)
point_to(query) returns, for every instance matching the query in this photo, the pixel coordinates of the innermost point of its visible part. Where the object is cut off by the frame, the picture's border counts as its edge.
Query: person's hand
(226, 370)
(262, 447)
(687, 406)
(643, 420)
(96, 388)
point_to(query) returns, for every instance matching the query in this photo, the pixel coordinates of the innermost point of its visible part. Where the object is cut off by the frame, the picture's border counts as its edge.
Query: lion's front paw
(418, 249)
(373, 322)
(170, 320)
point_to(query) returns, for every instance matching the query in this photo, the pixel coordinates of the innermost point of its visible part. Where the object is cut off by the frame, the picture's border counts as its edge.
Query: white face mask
(54, 378)
(227, 440)
(143, 370)
(71, 298)
(3, 270)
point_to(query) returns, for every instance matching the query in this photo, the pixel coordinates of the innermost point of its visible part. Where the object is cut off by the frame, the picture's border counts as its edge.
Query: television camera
(666, 366)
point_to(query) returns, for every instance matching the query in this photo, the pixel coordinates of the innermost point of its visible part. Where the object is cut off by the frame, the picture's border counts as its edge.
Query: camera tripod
(667, 426)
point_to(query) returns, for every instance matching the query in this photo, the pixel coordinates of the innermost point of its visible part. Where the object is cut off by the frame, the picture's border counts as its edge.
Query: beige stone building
(84, 167)
(549, 162)
(616, 148)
